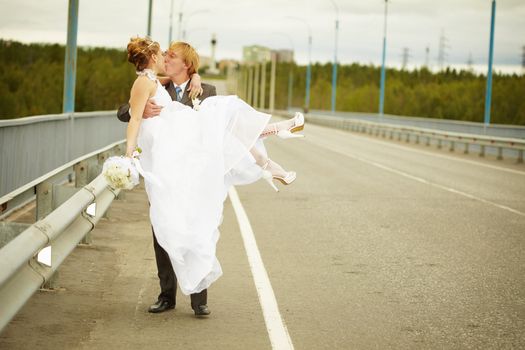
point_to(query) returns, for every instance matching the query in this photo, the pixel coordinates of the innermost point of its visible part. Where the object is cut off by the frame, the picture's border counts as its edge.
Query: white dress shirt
(182, 86)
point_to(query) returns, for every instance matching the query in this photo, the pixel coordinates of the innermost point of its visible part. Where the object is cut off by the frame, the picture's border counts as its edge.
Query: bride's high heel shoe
(298, 125)
(271, 172)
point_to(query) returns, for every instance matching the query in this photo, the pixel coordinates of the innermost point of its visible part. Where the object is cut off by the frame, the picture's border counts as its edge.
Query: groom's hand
(151, 110)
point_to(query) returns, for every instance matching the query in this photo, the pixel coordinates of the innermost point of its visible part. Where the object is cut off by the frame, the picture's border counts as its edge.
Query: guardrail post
(452, 145)
(482, 151)
(428, 141)
(52, 282)
(520, 156)
(466, 148)
(44, 199)
(440, 144)
(81, 174)
(101, 157)
(500, 153)
(81, 180)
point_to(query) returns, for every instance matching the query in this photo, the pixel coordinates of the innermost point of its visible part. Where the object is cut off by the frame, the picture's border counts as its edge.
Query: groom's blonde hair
(189, 55)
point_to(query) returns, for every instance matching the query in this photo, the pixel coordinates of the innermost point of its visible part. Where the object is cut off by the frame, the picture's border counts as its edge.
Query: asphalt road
(377, 245)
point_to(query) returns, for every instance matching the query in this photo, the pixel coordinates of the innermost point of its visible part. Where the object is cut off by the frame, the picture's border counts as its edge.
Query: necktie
(178, 92)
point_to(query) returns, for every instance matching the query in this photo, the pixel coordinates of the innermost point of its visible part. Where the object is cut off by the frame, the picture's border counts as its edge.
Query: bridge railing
(514, 147)
(65, 213)
(459, 126)
(33, 146)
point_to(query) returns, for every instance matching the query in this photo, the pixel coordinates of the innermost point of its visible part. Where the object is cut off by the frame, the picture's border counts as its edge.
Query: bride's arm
(195, 88)
(142, 90)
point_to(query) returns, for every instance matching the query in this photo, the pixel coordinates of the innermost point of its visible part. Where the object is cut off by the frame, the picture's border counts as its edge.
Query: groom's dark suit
(168, 280)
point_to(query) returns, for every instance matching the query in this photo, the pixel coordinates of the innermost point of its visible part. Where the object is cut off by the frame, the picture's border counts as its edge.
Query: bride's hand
(195, 88)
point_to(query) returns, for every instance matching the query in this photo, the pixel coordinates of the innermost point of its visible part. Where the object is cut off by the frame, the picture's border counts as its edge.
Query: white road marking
(391, 144)
(419, 179)
(277, 331)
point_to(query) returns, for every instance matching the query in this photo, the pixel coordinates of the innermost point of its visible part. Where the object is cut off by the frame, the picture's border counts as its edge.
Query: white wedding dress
(193, 158)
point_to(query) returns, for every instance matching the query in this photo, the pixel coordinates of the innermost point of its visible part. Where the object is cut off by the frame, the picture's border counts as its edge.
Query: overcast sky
(414, 24)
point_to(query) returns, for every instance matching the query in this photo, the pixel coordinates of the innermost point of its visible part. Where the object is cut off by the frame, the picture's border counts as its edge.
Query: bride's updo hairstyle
(140, 51)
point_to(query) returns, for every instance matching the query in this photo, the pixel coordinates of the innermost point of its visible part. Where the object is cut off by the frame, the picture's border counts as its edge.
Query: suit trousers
(168, 280)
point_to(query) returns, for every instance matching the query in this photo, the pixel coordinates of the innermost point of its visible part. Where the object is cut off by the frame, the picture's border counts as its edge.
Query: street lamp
(382, 88)
(309, 67)
(171, 24)
(185, 24)
(488, 94)
(180, 19)
(290, 72)
(150, 7)
(334, 66)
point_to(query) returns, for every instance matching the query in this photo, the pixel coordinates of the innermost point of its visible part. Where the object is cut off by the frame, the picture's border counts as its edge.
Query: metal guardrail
(408, 133)
(459, 126)
(62, 223)
(33, 146)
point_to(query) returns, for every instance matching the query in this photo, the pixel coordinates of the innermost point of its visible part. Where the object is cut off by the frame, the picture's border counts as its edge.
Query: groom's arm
(123, 113)
(150, 110)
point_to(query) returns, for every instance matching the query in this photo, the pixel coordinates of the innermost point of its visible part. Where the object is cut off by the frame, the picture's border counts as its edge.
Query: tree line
(32, 79)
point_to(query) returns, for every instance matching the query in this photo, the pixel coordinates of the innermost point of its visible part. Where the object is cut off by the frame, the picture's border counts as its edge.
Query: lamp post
(180, 19)
(334, 66)
(171, 24)
(290, 72)
(150, 7)
(185, 24)
(309, 67)
(488, 94)
(70, 66)
(383, 73)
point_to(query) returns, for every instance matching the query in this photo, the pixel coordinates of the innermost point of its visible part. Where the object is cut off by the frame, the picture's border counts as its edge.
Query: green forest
(32, 82)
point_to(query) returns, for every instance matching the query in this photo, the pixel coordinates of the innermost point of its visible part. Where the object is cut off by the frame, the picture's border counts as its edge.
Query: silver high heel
(268, 176)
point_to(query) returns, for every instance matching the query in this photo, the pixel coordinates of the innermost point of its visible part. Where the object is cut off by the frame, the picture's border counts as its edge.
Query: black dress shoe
(161, 306)
(202, 310)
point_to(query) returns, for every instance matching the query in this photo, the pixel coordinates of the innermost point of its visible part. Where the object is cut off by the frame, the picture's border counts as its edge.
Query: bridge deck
(377, 245)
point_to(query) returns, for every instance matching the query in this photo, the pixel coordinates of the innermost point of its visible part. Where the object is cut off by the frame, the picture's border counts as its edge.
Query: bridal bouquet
(121, 172)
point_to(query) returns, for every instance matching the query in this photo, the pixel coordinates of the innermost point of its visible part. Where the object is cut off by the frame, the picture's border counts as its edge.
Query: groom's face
(174, 63)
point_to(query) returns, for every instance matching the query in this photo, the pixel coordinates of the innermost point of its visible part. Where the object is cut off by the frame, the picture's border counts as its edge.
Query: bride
(194, 156)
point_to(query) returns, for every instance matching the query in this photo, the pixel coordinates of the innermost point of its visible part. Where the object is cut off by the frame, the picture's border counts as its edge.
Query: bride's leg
(274, 168)
(285, 128)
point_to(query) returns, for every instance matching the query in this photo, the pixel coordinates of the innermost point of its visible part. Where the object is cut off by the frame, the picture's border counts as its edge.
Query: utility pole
(405, 57)
(523, 59)
(442, 50)
(470, 63)
(427, 54)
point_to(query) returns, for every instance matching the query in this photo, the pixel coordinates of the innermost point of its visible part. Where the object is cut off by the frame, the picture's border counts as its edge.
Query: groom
(181, 61)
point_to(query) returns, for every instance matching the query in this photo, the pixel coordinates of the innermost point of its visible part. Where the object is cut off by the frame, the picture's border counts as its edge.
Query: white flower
(196, 103)
(120, 173)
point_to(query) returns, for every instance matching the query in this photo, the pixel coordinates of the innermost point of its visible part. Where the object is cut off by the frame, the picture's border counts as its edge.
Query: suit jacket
(208, 90)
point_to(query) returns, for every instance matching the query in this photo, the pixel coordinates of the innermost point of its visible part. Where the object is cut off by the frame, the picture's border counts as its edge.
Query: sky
(278, 24)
